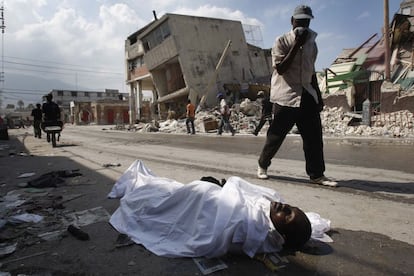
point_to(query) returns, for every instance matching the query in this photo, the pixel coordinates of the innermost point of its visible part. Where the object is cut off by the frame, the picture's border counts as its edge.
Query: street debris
(36, 212)
(123, 240)
(7, 249)
(25, 175)
(107, 165)
(272, 261)
(208, 266)
(78, 233)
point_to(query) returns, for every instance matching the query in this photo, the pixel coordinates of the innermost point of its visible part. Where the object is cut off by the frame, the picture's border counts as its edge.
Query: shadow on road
(403, 192)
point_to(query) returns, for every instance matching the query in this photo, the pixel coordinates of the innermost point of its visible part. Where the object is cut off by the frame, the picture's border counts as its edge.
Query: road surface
(371, 213)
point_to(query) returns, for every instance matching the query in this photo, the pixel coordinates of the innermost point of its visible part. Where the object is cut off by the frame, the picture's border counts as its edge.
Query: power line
(64, 69)
(52, 62)
(54, 72)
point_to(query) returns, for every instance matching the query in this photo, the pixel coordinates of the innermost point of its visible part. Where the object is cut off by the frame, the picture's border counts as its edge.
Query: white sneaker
(262, 173)
(323, 180)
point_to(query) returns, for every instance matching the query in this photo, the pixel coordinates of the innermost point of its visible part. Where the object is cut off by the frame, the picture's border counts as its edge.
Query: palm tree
(20, 103)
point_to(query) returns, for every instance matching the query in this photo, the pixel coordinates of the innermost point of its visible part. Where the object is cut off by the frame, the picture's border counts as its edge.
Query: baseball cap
(302, 12)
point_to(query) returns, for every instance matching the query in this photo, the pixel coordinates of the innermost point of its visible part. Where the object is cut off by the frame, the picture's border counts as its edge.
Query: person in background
(224, 116)
(37, 120)
(296, 97)
(266, 112)
(51, 113)
(190, 114)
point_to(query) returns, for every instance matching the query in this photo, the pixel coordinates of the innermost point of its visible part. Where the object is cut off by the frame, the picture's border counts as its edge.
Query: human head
(260, 94)
(301, 16)
(49, 97)
(291, 223)
(188, 101)
(220, 96)
(38, 105)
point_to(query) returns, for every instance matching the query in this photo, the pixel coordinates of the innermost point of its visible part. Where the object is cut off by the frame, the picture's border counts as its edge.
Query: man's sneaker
(323, 180)
(262, 173)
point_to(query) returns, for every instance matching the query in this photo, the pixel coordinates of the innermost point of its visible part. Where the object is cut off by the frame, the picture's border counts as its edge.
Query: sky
(79, 44)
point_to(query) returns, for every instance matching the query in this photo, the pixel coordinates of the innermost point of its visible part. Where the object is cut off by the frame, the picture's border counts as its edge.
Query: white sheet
(193, 220)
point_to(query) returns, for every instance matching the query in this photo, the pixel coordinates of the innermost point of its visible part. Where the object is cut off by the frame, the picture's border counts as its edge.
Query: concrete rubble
(335, 120)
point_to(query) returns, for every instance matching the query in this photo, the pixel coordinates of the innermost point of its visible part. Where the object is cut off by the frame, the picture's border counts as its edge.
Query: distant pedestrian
(224, 116)
(37, 120)
(51, 111)
(296, 97)
(190, 117)
(266, 111)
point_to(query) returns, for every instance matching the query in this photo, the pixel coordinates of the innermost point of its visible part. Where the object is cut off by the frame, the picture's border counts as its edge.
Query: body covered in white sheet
(196, 219)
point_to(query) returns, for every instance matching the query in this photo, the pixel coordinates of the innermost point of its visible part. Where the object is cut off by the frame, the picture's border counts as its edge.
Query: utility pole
(387, 41)
(2, 27)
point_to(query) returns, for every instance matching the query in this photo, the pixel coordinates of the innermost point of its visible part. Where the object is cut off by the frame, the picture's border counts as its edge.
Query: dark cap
(302, 12)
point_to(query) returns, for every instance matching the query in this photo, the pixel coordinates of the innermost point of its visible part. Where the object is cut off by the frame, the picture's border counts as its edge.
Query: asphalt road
(371, 212)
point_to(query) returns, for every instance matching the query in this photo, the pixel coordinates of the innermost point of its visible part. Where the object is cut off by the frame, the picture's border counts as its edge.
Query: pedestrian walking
(296, 97)
(37, 120)
(224, 116)
(190, 117)
(51, 111)
(266, 111)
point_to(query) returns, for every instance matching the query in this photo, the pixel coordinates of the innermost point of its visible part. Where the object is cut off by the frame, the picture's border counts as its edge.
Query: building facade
(68, 99)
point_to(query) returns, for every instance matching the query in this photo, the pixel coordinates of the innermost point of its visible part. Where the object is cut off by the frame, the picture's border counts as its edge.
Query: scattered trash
(22, 185)
(123, 240)
(52, 179)
(51, 236)
(106, 165)
(89, 216)
(208, 266)
(272, 261)
(78, 233)
(25, 175)
(7, 249)
(26, 217)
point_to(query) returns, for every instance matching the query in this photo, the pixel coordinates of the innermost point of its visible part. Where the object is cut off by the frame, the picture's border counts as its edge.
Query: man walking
(190, 117)
(296, 97)
(37, 120)
(224, 116)
(266, 111)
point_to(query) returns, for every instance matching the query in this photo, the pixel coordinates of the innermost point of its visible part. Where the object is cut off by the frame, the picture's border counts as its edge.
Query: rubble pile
(396, 124)
(335, 121)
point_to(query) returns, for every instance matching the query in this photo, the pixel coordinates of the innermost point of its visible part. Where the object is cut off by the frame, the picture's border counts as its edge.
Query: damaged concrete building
(180, 57)
(359, 73)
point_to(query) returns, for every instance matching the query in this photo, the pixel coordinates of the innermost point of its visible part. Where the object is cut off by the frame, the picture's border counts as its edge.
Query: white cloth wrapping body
(197, 219)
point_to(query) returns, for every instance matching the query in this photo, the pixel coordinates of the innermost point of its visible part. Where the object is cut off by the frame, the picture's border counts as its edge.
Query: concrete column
(139, 98)
(132, 104)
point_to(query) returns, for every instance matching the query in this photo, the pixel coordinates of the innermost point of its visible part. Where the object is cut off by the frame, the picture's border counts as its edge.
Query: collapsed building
(358, 74)
(180, 57)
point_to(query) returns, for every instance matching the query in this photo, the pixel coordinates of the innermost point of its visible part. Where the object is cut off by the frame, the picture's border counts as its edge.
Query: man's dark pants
(37, 129)
(308, 121)
(190, 121)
